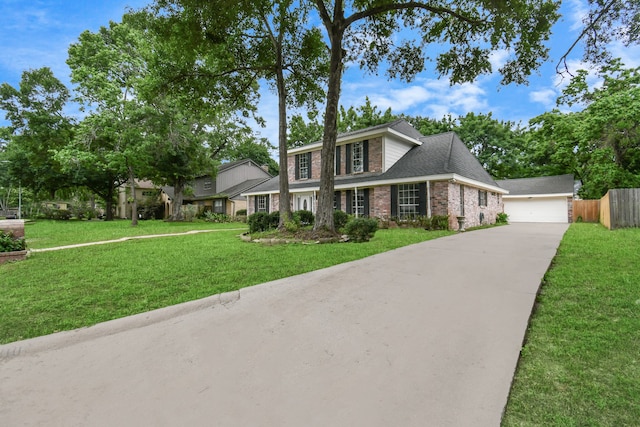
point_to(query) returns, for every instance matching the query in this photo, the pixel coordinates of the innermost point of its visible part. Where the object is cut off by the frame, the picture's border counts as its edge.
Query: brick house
(391, 171)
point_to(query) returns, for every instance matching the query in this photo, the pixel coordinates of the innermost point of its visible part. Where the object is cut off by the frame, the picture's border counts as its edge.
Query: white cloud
(546, 97)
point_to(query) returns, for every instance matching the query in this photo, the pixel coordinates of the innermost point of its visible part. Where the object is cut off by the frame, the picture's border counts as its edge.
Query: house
(222, 193)
(542, 199)
(391, 171)
(146, 194)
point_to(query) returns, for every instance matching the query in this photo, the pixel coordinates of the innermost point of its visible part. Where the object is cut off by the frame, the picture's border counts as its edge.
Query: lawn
(580, 365)
(71, 288)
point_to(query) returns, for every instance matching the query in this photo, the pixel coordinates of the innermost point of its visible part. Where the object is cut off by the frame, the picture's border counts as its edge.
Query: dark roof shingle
(558, 184)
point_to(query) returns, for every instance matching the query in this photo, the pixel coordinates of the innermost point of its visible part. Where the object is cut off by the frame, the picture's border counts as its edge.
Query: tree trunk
(178, 198)
(284, 204)
(134, 202)
(108, 201)
(324, 215)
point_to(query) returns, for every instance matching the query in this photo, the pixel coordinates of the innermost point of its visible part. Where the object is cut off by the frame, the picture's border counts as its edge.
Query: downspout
(428, 199)
(356, 199)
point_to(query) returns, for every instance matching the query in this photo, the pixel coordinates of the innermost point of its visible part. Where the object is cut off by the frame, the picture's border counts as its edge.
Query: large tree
(252, 40)
(460, 35)
(38, 125)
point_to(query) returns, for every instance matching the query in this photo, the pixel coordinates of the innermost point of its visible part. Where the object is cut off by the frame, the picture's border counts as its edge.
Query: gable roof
(558, 184)
(442, 156)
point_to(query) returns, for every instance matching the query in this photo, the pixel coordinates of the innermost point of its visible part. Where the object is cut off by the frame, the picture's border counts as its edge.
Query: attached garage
(544, 199)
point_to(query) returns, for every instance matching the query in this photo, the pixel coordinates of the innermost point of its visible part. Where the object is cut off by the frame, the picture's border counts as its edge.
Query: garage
(541, 199)
(542, 209)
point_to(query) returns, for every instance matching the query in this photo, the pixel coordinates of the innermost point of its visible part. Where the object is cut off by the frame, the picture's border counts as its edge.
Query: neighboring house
(222, 194)
(543, 199)
(146, 191)
(391, 171)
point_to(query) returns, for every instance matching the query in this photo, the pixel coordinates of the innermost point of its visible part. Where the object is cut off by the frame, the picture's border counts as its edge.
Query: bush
(189, 212)
(361, 229)
(241, 212)
(8, 243)
(216, 217)
(274, 219)
(258, 222)
(502, 218)
(303, 217)
(439, 222)
(340, 219)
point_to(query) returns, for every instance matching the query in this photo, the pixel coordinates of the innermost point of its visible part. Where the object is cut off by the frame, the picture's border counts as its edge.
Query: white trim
(357, 137)
(537, 196)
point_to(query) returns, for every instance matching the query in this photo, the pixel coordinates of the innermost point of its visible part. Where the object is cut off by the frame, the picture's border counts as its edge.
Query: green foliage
(340, 219)
(259, 221)
(439, 222)
(303, 217)
(189, 212)
(502, 218)
(210, 216)
(9, 243)
(361, 229)
(241, 212)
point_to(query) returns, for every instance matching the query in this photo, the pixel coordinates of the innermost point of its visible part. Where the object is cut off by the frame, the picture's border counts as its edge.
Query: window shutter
(366, 202)
(255, 204)
(422, 200)
(266, 202)
(348, 156)
(297, 166)
(338, 167)
(365, 155)
(349, 202)
(309, 165)
(394, 200)
(336, 195)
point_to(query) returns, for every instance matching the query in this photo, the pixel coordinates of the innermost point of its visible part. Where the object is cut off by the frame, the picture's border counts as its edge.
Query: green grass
(581, 362)
(47, 234)
(67, 289)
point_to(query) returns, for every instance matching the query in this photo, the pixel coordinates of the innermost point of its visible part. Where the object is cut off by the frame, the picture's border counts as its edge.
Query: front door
(304, 202)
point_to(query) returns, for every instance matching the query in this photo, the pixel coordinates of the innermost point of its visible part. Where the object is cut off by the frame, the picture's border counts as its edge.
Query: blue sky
(37, 33)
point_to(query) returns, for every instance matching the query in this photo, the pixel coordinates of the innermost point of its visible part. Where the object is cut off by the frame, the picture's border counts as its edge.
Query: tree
(255, 39)
(108, 67)
(605, 21)
(256, 150)
(38, 126)
(601, 143)
(466, 31)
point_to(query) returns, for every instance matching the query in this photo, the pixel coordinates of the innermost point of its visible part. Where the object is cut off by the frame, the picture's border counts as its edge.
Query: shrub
(361, 229)
(241, 212)
(189, 212)
(439, 222)
(258, 222)
(502, 218)
(304, 217)
(216, 217)
(8, 243)
(274, 219)
(340, 219)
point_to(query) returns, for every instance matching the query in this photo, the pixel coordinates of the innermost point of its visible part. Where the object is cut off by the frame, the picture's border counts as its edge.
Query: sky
(37, 33)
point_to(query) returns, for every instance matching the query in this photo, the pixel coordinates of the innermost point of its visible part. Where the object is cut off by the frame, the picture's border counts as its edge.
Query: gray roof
(400, 125)
(558, 184)
(438, 155)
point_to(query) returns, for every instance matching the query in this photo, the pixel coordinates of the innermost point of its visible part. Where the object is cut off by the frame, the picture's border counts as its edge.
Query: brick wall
(472, 208)
(570, 208)
(380, 202)
(439, 198)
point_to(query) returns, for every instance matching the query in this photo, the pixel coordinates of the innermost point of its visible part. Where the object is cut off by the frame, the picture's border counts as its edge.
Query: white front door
(304, 202)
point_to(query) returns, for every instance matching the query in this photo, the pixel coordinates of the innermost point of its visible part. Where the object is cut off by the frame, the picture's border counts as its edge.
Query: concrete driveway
(426, 335)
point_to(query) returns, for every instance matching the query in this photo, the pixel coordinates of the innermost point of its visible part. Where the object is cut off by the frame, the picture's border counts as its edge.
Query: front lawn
(71, 288)
(581, 362)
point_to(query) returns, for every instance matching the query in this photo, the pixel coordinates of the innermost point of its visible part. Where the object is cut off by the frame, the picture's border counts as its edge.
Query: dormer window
(207, 184)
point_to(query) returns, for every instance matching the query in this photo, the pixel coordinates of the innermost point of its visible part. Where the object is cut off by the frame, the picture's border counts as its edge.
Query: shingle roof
(438, 155)
(558, 184)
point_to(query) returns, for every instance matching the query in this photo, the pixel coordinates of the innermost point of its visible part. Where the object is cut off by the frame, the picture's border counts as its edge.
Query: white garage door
(545, 209)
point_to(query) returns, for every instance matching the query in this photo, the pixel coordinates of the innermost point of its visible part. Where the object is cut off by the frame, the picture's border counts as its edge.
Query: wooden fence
(586, 211)
(620, 208)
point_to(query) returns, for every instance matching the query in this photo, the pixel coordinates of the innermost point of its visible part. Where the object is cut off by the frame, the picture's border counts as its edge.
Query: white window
(482, 198)
(207, 184)
(408, 201)
(357, 203)
(357, 157)
(261, 203)
(303, 166)
(218, 206)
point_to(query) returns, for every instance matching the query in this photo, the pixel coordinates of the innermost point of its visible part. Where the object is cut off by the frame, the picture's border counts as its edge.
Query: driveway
(426, 335)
